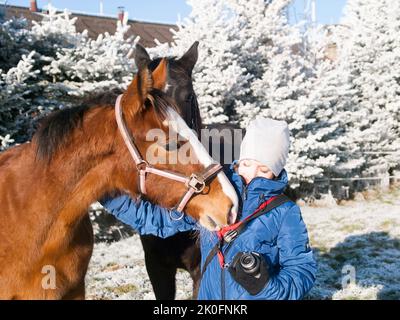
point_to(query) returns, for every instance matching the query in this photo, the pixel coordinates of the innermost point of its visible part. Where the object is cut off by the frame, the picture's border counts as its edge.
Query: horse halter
(195, 183)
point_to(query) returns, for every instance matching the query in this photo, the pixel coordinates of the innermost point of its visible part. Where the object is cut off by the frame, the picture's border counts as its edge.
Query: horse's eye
(172, 145)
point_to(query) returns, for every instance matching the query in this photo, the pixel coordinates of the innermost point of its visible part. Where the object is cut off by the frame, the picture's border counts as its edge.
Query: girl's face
(249, 169)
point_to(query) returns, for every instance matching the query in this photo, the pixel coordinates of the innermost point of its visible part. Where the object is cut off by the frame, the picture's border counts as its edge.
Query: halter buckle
(142, 165)
(230, 236)
(196, 183)
(176, 219)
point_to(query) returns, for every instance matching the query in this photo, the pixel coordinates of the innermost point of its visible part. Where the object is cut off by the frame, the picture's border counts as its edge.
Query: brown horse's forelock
(56, 129)
(173, 66)
(161, 102)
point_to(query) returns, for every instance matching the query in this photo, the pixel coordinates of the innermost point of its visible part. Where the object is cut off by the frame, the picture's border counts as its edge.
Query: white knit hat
(266, 141)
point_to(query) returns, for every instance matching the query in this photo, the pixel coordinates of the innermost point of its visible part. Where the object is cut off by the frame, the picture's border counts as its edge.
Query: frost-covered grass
(358, 237)
(364, 235)
(117, 271)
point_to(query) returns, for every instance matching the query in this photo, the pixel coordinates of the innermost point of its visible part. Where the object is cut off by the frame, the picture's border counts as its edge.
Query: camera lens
(250, 263)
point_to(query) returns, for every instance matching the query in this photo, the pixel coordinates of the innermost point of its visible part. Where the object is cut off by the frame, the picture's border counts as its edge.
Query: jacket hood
(257, 191)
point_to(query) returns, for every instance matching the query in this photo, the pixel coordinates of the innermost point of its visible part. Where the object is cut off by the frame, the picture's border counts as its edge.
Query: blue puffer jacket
(280, 236)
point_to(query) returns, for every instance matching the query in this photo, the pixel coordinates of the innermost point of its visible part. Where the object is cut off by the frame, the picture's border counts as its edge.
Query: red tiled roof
(96, 25)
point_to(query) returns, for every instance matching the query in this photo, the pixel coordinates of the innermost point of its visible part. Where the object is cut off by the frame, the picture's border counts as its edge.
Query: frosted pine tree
(15, 40)
(55, 32)
(14, 98)
(23, 80)
(220, 82)
(272, 72)
(332, 110)
(373, 58)
(255, 24)
(54, 66)
(274, 52)
(234, 37)
(94, 66)
(322, 143)
(16, 75)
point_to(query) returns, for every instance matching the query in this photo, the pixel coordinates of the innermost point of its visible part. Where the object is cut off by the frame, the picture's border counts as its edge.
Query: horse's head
(179, 82)
(166, 142)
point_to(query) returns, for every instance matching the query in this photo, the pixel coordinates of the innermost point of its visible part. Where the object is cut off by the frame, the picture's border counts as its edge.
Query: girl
(270, 258)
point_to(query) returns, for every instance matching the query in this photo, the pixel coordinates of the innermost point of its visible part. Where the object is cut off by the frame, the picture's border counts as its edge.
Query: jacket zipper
(261, 198)
(246, 186)
(244, 191)
(223, 283)
(223, 272)
(244, 197)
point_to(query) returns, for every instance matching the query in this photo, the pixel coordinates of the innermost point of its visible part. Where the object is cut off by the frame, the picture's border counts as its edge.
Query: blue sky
(328, 11)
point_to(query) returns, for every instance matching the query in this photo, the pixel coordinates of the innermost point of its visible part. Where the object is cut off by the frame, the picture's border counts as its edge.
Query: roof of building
(96, 25)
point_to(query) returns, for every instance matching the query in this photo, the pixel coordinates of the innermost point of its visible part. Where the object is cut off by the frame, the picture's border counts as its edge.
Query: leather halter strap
(195, 183)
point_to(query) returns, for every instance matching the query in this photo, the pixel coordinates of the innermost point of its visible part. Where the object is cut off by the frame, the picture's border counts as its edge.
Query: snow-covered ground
(357, 245)
(117, 271)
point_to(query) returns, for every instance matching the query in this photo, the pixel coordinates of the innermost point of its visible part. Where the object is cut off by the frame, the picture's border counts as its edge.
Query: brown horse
(77, 157)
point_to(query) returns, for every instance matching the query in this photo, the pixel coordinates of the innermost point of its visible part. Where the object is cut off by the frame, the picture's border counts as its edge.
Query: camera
(250, 270)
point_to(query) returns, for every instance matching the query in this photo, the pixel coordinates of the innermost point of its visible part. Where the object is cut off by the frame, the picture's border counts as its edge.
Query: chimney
(121, 12)
(101, 8)
(314, 13)
(34, 7)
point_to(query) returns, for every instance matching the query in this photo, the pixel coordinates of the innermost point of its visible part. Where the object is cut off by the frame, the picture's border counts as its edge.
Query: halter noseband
(195, 183)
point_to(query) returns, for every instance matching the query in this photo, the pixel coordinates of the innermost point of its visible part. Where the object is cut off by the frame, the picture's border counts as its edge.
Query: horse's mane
(55, 130)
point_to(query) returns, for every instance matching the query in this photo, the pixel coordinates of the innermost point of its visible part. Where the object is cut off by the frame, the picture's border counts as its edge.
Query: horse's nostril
(212, 222)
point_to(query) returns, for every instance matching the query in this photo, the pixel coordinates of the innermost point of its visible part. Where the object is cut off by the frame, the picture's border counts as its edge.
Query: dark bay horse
(164, 256)
(76, 157)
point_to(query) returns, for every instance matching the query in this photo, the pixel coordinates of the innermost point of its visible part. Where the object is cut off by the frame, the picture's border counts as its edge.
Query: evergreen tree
(220, 82)
(54, 67)
(93, 66)
(251, 43)
(372, 58)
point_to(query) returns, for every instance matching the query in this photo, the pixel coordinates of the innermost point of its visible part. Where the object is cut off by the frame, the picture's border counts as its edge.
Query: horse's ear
(160, 75)
(142, 58)
(189, 59)
(135, 95)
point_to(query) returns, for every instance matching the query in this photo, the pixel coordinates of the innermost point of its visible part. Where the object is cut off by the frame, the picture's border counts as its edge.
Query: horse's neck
(83, 173)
